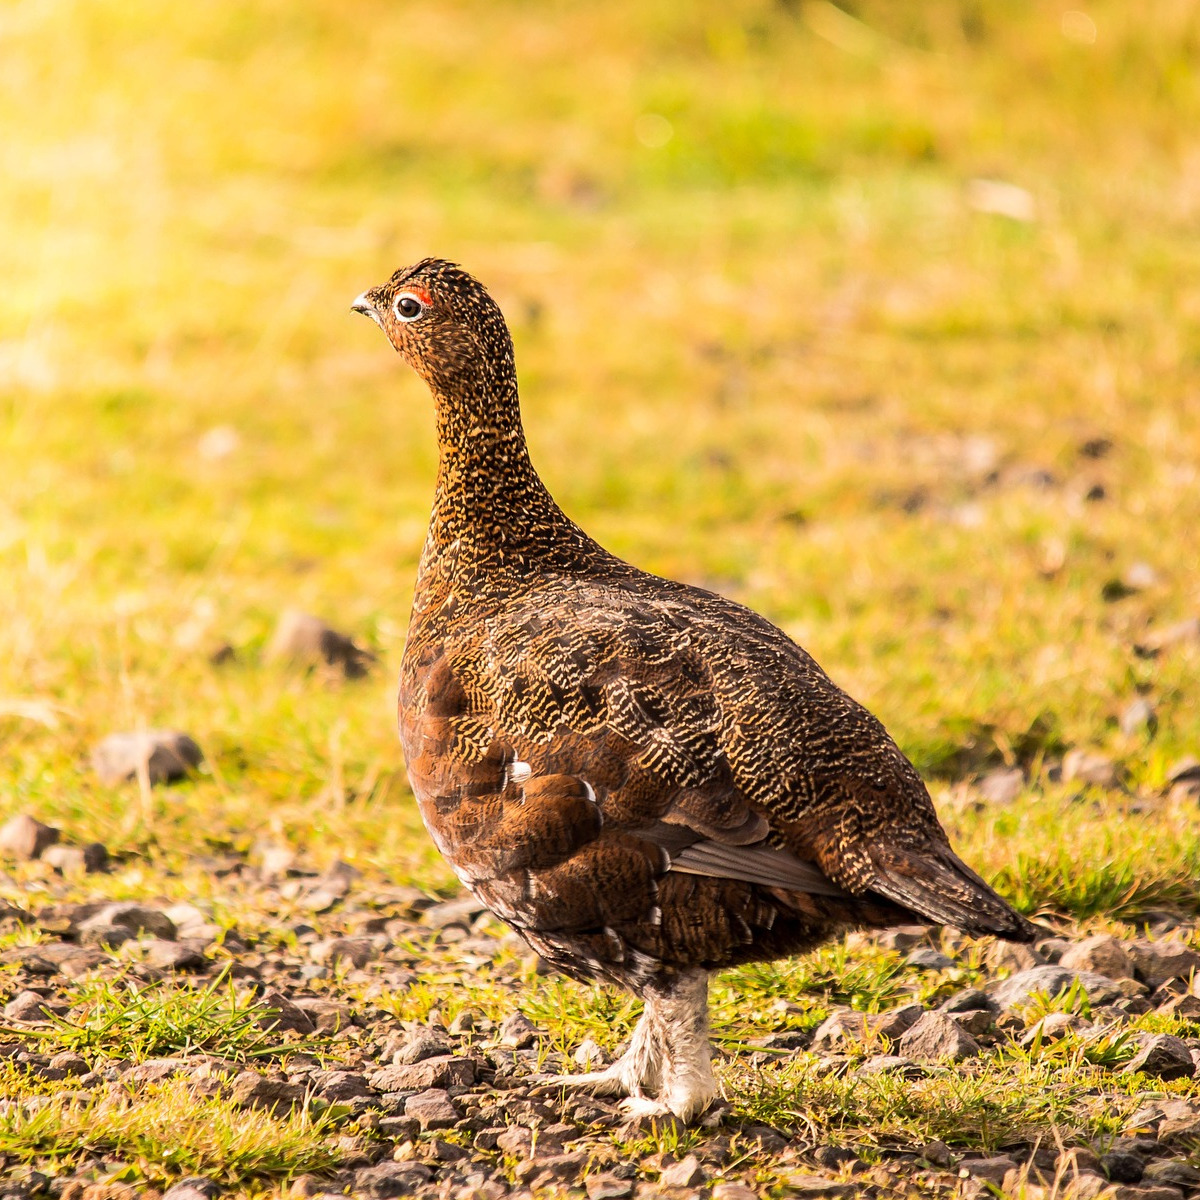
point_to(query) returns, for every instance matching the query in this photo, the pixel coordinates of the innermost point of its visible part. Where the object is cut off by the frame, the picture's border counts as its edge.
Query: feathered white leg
(669, 1055)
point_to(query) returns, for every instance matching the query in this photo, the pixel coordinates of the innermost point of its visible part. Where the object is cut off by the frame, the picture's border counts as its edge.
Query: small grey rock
(303, 639)
(432, 1108)
(607, 1187)
(171, 956)
(282, 1014)
(814, 1187)
(895, 1022)
(352, 951)
(136, 917)
(30, 1006)
(970, 1000)
(442, 1072)
(73, 1064)
(838, 1029)
(517, 1032)
(1177, 1172)
(1164, 1057)
(329, 1016)
(1002, 787)
(544, 1170)
(1089, 766)
(1019, 989)
(420, 1046)
(252, 1090)
(108, 936)
(77, 860)
(516, 1140)
(990, 1170)
(391, 1179)
(26, 838)
(733, 1191)
(1012, 956)
(590, 1055)
(1103, 953)
(453, 912)
(936, 1036)
(155, 1070)
(196, 1188)
(684, 1173)
(889, 1064)
(165, 754)
(341, 1085)
(1186, 1006)
(937, 1153)
(189, 921)
(976, 1022)
(928, 959)
(1123, 1166)
(1138, 717)
(902, 937)
(1053, 1027)
(1156, 963)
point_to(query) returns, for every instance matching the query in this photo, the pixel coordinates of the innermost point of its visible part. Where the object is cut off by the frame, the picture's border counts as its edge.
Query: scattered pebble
(935, 1037)
(1138, 717)
(1165, 1057)
(195, 1188)
(685, 1173)
(305, 640)
(442, 1072)
(608, 1187)
(1002, 787)
(25, 838)
(1102, 953)
(1020, 989)
(165, 755)
(432, 1108)
(1089, 766)
(280, 1013)
(517, 1032)
(1156, 963)
(137, 918)
(76, 860)
(252, 1090)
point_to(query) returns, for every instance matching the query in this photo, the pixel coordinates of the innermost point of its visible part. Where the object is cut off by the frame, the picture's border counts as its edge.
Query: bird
(647, 781)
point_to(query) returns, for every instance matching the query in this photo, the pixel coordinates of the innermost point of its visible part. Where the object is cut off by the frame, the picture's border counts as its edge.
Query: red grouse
(647, 781)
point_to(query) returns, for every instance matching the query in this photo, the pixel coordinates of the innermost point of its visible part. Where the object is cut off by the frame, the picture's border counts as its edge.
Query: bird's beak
(362, 304)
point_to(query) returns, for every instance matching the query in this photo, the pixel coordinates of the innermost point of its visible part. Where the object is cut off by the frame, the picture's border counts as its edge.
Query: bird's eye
(408, 307)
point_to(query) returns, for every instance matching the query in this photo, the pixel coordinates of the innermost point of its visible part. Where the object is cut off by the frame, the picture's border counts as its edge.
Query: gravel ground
(445, 1108)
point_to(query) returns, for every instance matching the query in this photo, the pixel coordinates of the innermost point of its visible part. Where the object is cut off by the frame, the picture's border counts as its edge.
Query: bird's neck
(492, 515)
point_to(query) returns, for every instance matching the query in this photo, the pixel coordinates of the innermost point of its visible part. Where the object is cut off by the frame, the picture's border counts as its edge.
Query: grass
(769, 342)
(158, 1133)
(122, 1020)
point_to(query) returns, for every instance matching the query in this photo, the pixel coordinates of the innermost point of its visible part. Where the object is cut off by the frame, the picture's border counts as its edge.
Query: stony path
(341, 1019)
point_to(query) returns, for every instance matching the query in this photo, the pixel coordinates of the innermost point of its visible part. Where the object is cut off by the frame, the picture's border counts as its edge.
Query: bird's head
(444, 323)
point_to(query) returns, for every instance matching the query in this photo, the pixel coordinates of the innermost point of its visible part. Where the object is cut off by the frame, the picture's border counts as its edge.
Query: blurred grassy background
(883, 319)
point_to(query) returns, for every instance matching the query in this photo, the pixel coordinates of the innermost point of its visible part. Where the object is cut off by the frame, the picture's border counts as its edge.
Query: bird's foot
(684, 1093)
(642, 1108)
(684, 1096)
(627, 1076)
(667, 1068)
(599, 1083)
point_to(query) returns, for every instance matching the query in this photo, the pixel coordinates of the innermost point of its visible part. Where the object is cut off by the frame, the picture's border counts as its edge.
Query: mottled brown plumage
(646, 780)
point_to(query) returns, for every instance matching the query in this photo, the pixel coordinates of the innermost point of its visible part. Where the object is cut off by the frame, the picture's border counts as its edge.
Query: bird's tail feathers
(936, 884)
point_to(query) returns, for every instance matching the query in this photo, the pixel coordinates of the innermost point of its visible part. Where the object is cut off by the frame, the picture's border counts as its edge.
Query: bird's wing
(769, 866)
(680, 709)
